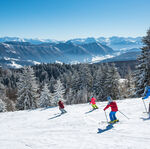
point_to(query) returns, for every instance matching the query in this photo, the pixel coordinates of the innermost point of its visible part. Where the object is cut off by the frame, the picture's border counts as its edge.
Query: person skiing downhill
(61, 107)
(93, 103)
(147, 94)
(114, 109)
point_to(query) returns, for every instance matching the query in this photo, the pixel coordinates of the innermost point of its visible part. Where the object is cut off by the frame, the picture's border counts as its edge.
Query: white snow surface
(100, 58)
(77, 129)
(15, 65)
(122, 80)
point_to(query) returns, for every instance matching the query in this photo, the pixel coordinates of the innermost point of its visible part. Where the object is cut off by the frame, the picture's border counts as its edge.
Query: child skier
(93, 103)
(61, 107)
(147, 94)
(114, 109)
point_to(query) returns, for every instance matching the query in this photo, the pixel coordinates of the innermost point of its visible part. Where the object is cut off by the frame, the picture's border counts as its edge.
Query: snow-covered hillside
(77, 129)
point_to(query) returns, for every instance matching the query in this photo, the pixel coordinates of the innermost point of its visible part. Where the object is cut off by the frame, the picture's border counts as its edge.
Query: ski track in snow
(77, 129)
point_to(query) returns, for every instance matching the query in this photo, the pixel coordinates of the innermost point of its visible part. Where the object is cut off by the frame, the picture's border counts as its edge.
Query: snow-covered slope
(77, 129)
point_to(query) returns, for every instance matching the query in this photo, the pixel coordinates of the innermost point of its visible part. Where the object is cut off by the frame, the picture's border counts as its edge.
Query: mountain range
(20, 53)
(115, 42)
(16, 52)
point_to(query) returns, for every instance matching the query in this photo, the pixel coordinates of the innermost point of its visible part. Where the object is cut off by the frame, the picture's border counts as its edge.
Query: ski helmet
(109, 99)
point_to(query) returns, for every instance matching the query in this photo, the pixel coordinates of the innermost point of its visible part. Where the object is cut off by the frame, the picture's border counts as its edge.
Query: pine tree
(58, 92)
(3, 97)
(112, 82)
(27, 90)
(51, 84)
(130, 84)
(2, 106)
(86, 83)
(143, 69)
(69, 96)
(98, 83)
(45, 98)
(75, 82)
(86, 78)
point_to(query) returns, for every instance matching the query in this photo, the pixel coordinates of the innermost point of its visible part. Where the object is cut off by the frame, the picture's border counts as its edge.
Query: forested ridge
(79, 81)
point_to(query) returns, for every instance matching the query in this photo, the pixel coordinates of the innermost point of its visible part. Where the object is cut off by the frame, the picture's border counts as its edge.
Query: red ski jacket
(93, 101)
(61, 104)
(113, 106)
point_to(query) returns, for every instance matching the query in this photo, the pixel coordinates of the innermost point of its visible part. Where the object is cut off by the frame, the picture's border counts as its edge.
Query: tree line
(42, 85)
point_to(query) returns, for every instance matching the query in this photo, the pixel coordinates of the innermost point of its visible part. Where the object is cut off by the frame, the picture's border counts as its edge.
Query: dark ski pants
(112, 115)
(63, 111)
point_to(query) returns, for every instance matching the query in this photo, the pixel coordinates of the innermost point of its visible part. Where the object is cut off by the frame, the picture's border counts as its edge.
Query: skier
(147, 94)
(93, 103)
(114, 109)
(61, 107)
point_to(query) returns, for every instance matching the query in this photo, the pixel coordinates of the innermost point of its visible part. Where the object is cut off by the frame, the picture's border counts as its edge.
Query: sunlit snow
(77, 129)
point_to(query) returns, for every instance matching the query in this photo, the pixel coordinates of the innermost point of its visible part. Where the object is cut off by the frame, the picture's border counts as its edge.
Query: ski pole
(123, 114)
(144, 106)
(106, 116)
(103, 98)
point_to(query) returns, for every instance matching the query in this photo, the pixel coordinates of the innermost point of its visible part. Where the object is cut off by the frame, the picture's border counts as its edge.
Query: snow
(77, 129)
(8, 58)
(74, 62)
(36, 63)
(6, 45)
(122, 80)
(59, 62)
(9, 47)
(15, 65)
(100, 58)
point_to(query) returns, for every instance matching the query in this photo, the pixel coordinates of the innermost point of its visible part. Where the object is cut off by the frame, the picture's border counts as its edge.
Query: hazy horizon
(67, 39)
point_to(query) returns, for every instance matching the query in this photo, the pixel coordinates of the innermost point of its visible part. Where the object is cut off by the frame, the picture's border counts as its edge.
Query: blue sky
(67, 19)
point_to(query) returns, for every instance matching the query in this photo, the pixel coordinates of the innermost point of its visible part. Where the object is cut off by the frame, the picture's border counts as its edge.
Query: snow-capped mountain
(33, 41)
(121, 43)
(29, 51)
(24, 52)
(116, 43)
(77, 129)
(80, 41)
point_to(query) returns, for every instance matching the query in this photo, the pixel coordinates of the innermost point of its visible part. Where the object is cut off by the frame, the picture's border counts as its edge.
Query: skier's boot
(116, 120)
(111, 122)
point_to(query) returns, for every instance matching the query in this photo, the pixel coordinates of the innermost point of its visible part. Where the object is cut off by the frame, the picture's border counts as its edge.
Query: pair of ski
(105, 122)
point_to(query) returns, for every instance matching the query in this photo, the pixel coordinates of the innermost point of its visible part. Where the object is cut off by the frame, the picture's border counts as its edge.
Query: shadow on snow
(90, 111)
(46, 108)
(55, 117)
(145, 119)
(108, 127)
